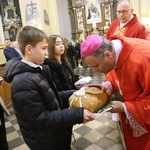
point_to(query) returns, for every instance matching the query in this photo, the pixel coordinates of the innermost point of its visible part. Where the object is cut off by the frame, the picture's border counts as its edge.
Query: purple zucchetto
(90, 45)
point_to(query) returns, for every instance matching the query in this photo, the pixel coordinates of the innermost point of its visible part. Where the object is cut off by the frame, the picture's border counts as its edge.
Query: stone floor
(100, 134)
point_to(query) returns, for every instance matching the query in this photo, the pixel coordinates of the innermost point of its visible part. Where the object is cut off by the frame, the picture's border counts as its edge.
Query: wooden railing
(5, 90)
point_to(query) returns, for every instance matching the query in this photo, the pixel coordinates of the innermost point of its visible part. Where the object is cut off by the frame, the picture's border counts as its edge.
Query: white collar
(123, 24)
(117, 48)
(31, 64)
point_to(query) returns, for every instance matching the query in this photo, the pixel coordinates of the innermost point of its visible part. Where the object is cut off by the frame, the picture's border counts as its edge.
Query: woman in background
(62, 72)
(71, 53)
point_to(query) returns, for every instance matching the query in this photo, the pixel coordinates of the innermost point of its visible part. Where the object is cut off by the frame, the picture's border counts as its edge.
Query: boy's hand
(88, 116)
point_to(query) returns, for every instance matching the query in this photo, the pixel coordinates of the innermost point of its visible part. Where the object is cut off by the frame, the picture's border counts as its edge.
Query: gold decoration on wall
(91, 16)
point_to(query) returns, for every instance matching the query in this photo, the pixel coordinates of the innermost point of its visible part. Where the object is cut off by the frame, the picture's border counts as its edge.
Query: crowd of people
(42, 79)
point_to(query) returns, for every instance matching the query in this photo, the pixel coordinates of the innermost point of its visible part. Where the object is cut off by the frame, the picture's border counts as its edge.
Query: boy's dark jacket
(43, 121)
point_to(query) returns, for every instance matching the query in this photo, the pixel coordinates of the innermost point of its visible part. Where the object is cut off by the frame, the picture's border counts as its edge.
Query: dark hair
(30, 35)
(66, 43)
(51, 49)
(105, 46)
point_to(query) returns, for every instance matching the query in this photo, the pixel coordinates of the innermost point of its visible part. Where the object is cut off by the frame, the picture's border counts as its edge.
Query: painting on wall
(93, 11)
(12, 33)
(32, 13)
(80, 21)
(107, 15)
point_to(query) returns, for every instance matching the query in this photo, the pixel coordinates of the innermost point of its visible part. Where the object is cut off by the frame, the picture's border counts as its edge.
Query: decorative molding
(103, 13)
(11, 18)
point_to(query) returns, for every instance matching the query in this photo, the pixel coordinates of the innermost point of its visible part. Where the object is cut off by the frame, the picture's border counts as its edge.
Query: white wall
(41, 5)
(64, 19)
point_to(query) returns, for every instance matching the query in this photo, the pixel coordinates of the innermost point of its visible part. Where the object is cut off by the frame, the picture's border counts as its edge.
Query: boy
(44, 122)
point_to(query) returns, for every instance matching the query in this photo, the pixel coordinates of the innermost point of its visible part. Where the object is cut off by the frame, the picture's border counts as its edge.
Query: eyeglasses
(122, 11)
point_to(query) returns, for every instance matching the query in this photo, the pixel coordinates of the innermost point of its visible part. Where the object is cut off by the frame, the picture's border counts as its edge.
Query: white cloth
(115, 117)
(83, 80)
(117, 48)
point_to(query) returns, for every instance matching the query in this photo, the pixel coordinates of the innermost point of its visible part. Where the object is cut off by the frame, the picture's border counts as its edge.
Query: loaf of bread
(90, 98)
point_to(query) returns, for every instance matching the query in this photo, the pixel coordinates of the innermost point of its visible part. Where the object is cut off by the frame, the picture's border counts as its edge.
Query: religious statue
(10, 2)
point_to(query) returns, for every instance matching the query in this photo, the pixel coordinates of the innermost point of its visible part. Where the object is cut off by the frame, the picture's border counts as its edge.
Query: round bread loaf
(90, 98)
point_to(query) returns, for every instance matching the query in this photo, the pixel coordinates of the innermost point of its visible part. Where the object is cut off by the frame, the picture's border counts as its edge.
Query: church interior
(71, 20)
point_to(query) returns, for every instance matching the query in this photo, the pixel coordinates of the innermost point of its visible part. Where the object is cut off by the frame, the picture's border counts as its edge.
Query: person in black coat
(62, 72)
(3, 138)
(43, 117)
(10, 52)
(71, 53)
(61, 80)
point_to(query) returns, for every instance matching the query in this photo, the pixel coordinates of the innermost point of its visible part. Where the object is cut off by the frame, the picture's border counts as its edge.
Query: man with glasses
(127, 23)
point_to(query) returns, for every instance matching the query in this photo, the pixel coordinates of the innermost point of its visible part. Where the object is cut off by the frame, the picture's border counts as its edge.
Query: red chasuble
(132, 73)
(132, 29)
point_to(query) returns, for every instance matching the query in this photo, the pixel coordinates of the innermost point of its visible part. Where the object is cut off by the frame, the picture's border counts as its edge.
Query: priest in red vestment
(127, 23)
(129, 58)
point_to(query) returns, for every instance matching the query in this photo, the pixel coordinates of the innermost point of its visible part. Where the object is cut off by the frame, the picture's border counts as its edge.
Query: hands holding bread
(117, 106)
(88, 116)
